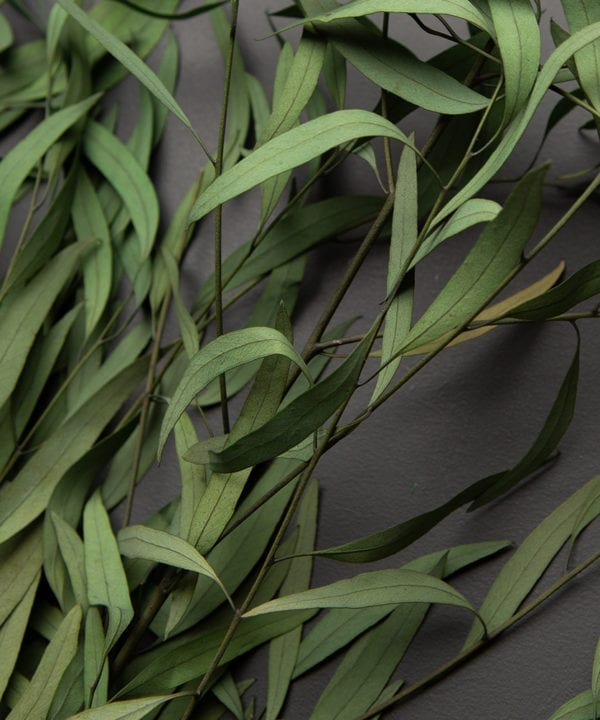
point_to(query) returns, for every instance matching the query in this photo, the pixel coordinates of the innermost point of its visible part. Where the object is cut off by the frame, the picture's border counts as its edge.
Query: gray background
(473, 411)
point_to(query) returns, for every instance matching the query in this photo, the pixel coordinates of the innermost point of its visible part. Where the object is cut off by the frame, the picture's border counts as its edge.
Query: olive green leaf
(71, 549)
(106, 581)
(522, 571)
(403, 244)
(18, 162)
(35, 703)
(519, 42)
(12, 632)
(124, 709)
(379, 587)
(224, 353)
(24, 311)
(581, 14)
(293, 148)
(6, 34)
(581, 707)
(129, 60)
(119, 166)
(487, 267)
(95, 664)
(227, 692)
(20, 563)
(26, 497)
(297, 420)
(138, 541)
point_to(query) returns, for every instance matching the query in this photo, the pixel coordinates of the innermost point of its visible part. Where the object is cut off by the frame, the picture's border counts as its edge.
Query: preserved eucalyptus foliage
(104, 362)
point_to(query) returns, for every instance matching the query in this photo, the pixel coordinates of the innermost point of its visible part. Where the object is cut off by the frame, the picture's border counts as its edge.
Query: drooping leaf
(138, 541)
(293, 148)
(35, 703)
(581, 14)
(519, 42)
(106, 580)
(26, 497)
(224, 353)
(23, 313)
(489, 264)
(520, 574)
(119, 166)
(18, 162)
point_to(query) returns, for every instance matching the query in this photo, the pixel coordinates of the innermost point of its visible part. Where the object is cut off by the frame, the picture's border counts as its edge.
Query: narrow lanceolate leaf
(95, 664)
(518, 38)
(291, 149)
(27, 496)
(521, 122)
(107, 583)
(394, 68)
(556, 425)
(299, 85)
(488, 266)
(138, 541)
(380, 587)
(580, 14)
(124, 709)
(23, 312)
(297, 420)
(119, 166)
(12, 633)
(35, 703)
(520, 574)
(128, 59)
(225, 353)
(90, 224)
(18, 162)
(582, 285)
(71, 549)
(581, 707)
(20, 563)
(402, 246)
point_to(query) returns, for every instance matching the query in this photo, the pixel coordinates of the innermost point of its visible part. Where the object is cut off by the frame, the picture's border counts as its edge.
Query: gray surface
(472, 412)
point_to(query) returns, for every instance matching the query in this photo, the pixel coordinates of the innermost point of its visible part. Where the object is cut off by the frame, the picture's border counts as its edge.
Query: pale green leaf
(35, 703)
(224, 353)
(28, 494)
(581, 707)
(293, 148)
(580, 14)
(520, 574)
(138, 541)
(18, 162)
(106, 581)
(119, 166)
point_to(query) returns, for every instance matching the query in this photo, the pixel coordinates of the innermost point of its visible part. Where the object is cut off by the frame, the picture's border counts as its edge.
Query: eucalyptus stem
(446, 668)
(218, 243)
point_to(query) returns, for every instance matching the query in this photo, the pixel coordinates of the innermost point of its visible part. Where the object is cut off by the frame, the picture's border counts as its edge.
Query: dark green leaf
(125, 709)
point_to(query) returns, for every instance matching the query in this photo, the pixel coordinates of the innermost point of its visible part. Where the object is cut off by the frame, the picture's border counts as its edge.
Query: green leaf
(12, 632)
(520, 574)
(293, 148)
(20, 563)
(71, 549)
(129, 60)
(379, 587)
(297, 420)
(581, 14)
(187, 326)
(224, 353)
(35, 703)
(6, 34)
(394, 68)
(18, 162)
(107, 584)
(27, 495)
(125, 709)
(596, 677)
(193, 478)
(90, 224)
(24, 311)
(119, 166)
(487, 267)
(556, 425)
(403, 244)
(519, 42)
(138, 541)
(581, 707)
(522, 121)
(95, 665)
(226, 691)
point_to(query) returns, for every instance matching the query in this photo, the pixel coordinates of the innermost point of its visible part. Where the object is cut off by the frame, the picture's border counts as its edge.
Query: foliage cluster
(149, 621)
